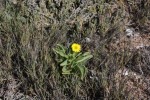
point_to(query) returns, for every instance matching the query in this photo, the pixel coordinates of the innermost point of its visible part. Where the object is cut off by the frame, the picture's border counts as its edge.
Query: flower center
(76, 47)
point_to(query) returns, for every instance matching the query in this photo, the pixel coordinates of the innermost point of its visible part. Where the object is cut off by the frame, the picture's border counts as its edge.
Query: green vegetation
(74, 61)
(30, 32)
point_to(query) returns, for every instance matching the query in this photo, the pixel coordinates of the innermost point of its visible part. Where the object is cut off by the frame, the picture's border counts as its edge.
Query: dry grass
(29, 31)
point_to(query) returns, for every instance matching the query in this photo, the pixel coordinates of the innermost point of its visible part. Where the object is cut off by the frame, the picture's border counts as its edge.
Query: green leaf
(83, 71)
(61, 50)
(79, 54)
(64, 63)
(65, 70)
(61, 53)
(86, 53)
(73, 65)
(84, 58)
(61, 47)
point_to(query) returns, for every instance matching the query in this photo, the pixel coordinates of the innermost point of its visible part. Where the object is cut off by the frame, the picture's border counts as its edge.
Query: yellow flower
(76, 47)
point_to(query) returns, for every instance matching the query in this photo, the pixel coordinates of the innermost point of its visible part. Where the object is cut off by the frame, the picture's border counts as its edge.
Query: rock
(129, 32)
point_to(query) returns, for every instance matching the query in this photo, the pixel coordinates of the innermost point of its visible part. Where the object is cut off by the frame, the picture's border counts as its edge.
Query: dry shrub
(29, 30)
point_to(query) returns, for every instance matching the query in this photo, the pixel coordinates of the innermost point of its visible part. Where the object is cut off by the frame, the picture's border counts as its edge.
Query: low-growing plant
(72, 60)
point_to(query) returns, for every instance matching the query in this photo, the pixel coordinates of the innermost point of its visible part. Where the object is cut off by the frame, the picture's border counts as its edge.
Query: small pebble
(88, 39)
(129, 32)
